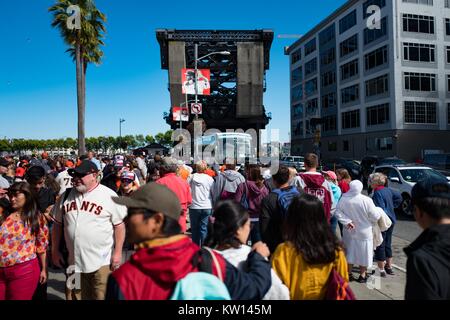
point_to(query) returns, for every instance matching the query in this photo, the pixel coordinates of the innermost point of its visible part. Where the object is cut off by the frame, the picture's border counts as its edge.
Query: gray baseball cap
(153, 197)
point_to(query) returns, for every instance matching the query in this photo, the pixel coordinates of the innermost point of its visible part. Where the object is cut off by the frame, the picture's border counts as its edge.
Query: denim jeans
(384, 251)
(199, 224)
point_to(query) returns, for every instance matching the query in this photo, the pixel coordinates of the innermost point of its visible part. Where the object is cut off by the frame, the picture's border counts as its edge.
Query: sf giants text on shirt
(85, 206)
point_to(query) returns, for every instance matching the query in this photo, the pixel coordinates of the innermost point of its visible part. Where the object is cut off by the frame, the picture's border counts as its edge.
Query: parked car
(403, 178)
(370, 162)
(353, 168)
(439, 162)
(296, 162)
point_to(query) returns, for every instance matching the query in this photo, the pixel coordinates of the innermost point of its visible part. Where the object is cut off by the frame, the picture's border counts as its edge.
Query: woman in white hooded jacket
(358, 214)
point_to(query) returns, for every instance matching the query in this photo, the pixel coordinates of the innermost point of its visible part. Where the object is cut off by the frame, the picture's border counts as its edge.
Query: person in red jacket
(169, 178)
(164, 256)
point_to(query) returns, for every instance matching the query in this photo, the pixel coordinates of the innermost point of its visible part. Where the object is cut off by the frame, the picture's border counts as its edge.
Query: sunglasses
(126, 181)
(80, 175)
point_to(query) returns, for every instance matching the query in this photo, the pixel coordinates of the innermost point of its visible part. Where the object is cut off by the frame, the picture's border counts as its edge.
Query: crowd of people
(199, 232)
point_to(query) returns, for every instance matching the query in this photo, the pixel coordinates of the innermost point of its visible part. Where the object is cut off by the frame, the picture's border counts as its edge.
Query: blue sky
(37, 77)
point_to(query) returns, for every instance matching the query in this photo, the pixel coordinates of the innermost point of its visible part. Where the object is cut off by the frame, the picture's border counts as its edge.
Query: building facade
(373, 89)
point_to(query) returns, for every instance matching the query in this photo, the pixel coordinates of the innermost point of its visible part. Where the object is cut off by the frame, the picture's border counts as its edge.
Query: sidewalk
(391, 287)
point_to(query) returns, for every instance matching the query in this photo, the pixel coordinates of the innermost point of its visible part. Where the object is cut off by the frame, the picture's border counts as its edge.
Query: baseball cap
(85, 167)
(331, 174)
(4, 162)
(128, 175)
(118, 163)
(20, 172)
(431, 187)
(153, 197)
(35, 173)
(70, 164)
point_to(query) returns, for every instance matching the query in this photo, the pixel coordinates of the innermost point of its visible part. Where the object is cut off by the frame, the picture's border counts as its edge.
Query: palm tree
(84, 47)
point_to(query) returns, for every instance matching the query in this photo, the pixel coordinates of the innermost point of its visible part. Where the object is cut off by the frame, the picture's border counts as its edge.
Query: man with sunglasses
(94, 232)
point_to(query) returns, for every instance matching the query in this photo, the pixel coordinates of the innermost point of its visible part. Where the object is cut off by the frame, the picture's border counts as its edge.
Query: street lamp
(225, 53)
(120, 127)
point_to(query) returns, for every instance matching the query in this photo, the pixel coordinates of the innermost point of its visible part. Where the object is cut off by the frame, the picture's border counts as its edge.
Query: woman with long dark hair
(310, 252)
(23, 239)
(254, 190)
(229, 234)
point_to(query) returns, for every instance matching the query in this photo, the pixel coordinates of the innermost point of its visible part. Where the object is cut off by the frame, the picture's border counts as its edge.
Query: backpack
(285, 198)
(322, 193)
(202, 285)
(244, 200)
(338, 288)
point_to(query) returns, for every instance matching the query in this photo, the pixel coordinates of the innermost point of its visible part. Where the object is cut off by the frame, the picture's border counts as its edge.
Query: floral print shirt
(17, 242)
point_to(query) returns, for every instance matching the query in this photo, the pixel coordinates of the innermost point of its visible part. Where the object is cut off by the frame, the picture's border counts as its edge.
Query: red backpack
(338, 288)
(315, 185)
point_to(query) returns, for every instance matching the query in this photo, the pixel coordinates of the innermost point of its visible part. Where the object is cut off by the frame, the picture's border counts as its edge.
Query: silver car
(403, 178)
(296, 162)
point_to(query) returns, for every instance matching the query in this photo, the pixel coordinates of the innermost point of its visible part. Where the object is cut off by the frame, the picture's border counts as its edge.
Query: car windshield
(391, 162)
(415, 175)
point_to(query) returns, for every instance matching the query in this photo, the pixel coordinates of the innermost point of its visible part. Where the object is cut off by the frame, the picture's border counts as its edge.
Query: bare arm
(119, 239)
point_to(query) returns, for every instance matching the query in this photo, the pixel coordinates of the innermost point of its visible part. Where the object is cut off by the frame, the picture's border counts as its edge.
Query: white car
(296, 162)
(403, 178)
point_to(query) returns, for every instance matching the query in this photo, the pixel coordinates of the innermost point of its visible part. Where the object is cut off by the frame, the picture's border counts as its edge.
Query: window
(310, 47)
(297, 93)
(347, 22)
(350, 119)
(425, 2)
(367, 4)
(370, 35)
(345, 145)
(420, 82)
(419, 52)
(312, 107)
(447, 3)
(327, 35)
(348, 46)
(296, 56)
(329, 100)
(329, 123)
(311, 87)
(448, 83)
(299, 129)
(328, 57)
(350, 94)
(448, 53)
(447, 27)
(420, 112)
(377, 86)
(297, 75)
(298, 110)
(349, 70)
(416, 23)
(379, 144)
(332, 146)
(448, 113)
(328, 78)
(310, 67)
(376, 58)
(377, 115)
